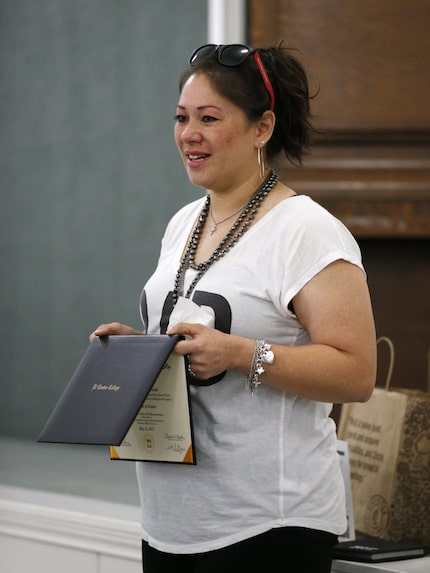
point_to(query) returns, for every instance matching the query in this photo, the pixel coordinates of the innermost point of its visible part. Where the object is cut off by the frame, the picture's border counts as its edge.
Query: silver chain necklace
(216, 223)
(238, 229)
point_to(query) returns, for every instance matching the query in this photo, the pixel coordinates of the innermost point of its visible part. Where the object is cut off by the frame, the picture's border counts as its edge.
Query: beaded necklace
(238, 229)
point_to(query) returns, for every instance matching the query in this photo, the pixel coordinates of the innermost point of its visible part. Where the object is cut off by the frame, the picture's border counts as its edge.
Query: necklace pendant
(214, 228)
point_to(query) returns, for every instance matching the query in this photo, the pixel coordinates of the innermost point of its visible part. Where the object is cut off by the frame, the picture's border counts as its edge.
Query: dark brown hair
(243, 86)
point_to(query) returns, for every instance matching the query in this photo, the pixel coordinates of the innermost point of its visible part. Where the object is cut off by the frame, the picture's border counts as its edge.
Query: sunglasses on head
(231, 55)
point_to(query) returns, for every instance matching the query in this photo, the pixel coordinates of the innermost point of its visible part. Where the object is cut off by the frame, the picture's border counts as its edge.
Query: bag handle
(390, 344)
(428, 370)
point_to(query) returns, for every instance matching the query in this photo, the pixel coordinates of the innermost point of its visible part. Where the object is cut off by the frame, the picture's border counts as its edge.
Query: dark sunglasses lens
(233, 54)
(202, 52)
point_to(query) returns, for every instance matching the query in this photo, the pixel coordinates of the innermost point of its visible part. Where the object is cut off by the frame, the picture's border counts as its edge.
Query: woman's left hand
(211, 351)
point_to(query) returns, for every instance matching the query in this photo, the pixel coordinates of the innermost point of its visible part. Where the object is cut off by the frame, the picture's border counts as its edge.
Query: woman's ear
(265, 126)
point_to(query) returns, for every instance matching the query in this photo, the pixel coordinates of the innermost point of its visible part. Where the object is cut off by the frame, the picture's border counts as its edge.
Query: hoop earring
(260, 159)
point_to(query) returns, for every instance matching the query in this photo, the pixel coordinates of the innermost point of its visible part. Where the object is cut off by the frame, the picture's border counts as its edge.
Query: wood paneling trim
(377, 191)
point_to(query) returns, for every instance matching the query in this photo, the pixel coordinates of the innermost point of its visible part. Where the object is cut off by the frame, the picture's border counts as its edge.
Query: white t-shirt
(263, 462)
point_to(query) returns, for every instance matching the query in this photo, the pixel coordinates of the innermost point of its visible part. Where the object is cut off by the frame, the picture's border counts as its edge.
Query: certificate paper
(162, 430)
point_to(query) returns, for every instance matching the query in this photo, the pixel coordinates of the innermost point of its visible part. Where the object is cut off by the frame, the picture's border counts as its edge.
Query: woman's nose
(191, 133)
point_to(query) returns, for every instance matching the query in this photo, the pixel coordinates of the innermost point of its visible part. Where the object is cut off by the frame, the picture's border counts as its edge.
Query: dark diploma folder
(107, 390)
(377, 550)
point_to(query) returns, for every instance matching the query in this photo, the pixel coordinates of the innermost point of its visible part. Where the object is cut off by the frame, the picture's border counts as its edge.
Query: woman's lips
(194, 159)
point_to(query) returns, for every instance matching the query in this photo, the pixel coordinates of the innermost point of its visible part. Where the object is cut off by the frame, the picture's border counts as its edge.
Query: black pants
(283, 550)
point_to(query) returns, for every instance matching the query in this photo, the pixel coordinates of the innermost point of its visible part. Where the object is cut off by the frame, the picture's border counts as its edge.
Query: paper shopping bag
(389, 445)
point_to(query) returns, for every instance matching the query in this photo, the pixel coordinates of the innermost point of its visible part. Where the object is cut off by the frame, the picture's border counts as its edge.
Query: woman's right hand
(113, 328)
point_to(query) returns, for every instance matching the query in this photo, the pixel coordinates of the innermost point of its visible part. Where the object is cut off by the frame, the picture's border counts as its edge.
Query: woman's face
(216, 141)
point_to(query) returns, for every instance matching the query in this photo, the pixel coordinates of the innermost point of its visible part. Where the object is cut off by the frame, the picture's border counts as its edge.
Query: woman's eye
(209, 118)
(180, 118)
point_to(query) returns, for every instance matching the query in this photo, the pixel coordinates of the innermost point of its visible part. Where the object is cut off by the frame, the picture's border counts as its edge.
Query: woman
(293, 332)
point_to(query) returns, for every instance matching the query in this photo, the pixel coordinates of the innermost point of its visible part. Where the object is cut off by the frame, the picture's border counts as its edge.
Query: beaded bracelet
(262, 355)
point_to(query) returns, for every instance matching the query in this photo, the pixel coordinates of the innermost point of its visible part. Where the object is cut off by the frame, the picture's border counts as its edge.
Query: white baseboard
(89, 525)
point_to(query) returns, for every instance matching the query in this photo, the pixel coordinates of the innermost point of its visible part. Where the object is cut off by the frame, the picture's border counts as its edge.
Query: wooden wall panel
(370, 59)
(370, 64)
(399, 283)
